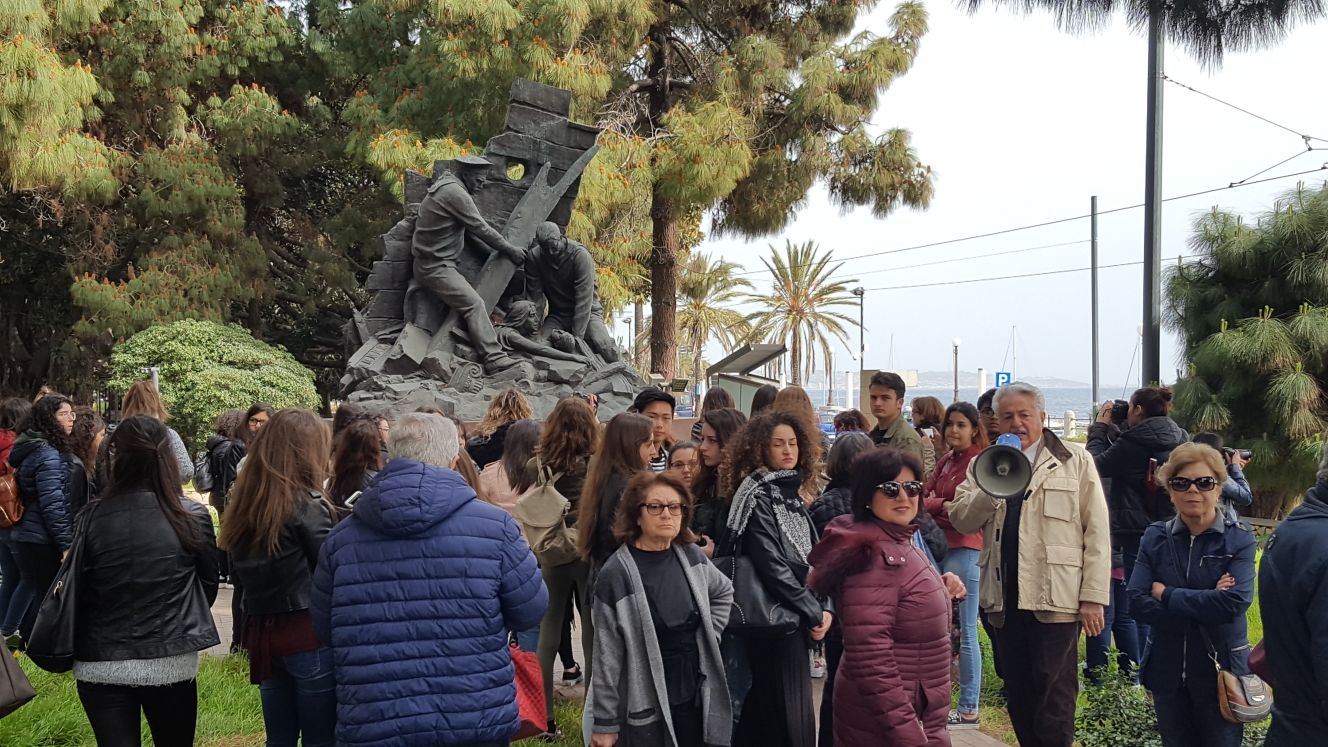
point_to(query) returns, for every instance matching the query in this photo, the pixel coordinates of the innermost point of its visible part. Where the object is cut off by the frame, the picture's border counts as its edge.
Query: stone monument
(478, 288)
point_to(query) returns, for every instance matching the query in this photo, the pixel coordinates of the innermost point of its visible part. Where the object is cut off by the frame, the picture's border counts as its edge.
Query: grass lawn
(229, 712)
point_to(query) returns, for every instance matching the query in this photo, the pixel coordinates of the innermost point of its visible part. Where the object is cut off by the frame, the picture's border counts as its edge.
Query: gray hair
(1020, 388)
(425, 438)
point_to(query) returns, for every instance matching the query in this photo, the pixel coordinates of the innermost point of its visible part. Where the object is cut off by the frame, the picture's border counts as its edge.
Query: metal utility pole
(861, 293)
(1152, 334)
(956, 369)
(1093, 275)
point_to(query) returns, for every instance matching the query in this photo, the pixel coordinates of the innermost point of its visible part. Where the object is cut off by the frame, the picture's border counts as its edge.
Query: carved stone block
(388, 275)
(386, 305)
(540, 96)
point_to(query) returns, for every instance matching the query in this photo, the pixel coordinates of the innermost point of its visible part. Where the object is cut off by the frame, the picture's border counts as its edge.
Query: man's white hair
(1020, 388)
(425, 438)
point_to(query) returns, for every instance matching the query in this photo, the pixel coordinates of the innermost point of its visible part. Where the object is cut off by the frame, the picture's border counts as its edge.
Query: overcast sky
(1022, 123)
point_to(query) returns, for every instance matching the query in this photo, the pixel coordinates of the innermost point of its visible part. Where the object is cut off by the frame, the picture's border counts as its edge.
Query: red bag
(1259, 664)
(529, 694)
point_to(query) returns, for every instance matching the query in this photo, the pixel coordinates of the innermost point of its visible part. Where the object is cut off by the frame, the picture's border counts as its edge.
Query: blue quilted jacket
(415, 593)
(43, 484)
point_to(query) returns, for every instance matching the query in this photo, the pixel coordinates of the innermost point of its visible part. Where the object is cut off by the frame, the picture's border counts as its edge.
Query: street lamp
(861, 293)
(631, 339)
(956, 342)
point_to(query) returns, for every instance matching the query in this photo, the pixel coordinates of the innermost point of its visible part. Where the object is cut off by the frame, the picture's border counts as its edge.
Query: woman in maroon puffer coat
(893, 685)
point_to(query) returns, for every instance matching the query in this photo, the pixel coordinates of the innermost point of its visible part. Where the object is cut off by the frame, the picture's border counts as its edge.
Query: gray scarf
(792, 520)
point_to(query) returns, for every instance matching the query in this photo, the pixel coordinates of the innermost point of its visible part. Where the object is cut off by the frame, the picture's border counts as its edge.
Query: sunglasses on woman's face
(1182, 484)
(912, 488)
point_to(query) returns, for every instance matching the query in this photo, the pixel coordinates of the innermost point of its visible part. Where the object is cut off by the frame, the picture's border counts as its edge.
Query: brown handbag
(1242, 698)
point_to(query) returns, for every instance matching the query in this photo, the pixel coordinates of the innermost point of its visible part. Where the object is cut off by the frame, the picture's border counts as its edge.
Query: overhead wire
(1020, 275)
(1243, 110)
(1044, 224)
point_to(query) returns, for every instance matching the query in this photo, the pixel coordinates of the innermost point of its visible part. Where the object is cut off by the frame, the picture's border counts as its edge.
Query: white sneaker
(818, 666)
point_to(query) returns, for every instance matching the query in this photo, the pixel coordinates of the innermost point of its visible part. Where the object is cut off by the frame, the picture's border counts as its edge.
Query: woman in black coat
(768, 523)
(148, 580)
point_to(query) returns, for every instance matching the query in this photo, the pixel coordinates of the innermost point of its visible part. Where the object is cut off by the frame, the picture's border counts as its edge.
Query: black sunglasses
(912, 488)
(1182, 484)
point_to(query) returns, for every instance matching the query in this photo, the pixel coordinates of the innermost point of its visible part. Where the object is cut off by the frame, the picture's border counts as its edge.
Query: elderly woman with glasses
(1193, 583)
(660, 607)
(893, 683)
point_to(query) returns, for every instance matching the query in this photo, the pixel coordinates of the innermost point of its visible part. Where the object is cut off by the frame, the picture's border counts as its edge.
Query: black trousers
(1041, 662)
(114, 712)
(37, 565)
(834, 652)
(778, 711)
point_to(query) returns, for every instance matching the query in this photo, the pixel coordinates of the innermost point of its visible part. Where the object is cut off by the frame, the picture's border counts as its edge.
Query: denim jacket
(1193, 613)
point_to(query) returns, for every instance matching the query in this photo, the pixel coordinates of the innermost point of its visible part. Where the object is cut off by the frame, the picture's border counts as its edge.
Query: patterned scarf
(790, 514)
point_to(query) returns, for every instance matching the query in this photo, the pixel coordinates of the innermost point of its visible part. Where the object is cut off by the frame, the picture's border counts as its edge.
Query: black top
(282, 582)
(676, 620)
(605, 543)
(143, 595)
(484, 450)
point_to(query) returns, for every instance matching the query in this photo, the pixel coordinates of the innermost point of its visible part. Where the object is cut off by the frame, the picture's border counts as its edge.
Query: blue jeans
(1189, 716)
(963, 562)
(527, 640)
(300, 700)
(8, 585)
(1119, 624)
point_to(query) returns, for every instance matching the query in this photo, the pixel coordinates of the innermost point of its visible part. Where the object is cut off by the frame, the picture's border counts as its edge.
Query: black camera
(1229, 452)
(1120, 409)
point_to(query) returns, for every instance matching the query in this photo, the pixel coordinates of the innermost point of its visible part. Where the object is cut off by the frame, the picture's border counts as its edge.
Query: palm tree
(706, 291)
(1206, 28)
(1253, 314)
(800, 308)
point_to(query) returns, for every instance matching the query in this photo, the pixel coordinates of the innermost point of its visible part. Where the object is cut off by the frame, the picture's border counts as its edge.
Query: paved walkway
(221, 613)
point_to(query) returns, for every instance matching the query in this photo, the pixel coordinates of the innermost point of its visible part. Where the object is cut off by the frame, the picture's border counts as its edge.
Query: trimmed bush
(206, 368)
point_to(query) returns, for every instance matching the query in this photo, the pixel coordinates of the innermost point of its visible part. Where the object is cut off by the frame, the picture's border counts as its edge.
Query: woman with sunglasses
(1192, 583)
(660, 608)
(893, 606)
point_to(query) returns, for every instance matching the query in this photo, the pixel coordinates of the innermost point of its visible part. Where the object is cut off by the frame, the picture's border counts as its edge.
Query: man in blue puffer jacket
(415, 593)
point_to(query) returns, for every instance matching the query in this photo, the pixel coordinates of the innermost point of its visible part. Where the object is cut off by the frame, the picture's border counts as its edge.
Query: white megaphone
(1002, 471)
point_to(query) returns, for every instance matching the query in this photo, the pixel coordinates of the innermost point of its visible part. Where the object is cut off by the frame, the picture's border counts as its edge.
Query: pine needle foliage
(1255, 333)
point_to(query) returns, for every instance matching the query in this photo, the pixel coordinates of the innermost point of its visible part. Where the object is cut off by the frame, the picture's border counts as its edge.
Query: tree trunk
(795, 359)
(665, 242)
(697, 341)
(663, 286)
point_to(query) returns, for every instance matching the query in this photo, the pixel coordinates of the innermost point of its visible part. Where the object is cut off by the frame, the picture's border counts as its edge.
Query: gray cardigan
(627, 694)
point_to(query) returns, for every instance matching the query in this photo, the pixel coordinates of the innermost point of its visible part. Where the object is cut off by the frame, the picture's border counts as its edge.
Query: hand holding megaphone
(1002, 471)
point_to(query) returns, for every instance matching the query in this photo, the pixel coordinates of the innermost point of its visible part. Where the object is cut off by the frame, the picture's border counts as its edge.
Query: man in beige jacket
(1046, 568)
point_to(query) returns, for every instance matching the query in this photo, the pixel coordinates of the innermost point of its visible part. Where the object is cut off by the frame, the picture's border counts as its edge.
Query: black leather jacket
(141, 594)
(280, 582)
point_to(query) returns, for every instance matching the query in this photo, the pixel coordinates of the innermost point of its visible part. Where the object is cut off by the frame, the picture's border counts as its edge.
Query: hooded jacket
(415, 593)
(43, 484)
(1125, 462)
(894, 614)
(1293, 598)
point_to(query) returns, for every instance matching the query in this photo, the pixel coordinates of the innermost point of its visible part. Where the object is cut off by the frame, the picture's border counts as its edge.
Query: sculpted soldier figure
(561, 272)
(447, 216)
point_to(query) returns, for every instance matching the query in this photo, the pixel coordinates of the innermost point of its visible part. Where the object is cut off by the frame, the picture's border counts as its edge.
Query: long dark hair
(763, 398)
(751, 449)
(285, 464)
(847, 448)
(717, 398)
(619, 455)
(519, 446)
(141, 457)
(571, 435)
(247, 435)
(41, 420)
(358, 451)
(83, 441)
(725, 423)
(13, 411)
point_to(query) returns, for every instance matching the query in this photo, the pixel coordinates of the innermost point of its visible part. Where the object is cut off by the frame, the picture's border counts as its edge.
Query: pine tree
(1253, 315)
(736, 108)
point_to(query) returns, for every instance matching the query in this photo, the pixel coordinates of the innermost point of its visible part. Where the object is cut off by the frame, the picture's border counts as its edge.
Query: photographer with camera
(1236, 490)
(1128, 442)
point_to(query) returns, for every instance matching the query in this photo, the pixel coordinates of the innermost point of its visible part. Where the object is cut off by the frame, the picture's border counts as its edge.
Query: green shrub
(206, 368)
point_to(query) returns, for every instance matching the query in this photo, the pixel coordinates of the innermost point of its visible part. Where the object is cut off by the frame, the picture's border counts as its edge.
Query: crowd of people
(383, 568)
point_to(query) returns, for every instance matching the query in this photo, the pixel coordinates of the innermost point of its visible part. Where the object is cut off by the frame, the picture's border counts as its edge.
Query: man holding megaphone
(1045, 562)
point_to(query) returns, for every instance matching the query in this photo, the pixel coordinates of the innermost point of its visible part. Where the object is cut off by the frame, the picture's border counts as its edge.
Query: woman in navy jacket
(1193, 583)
